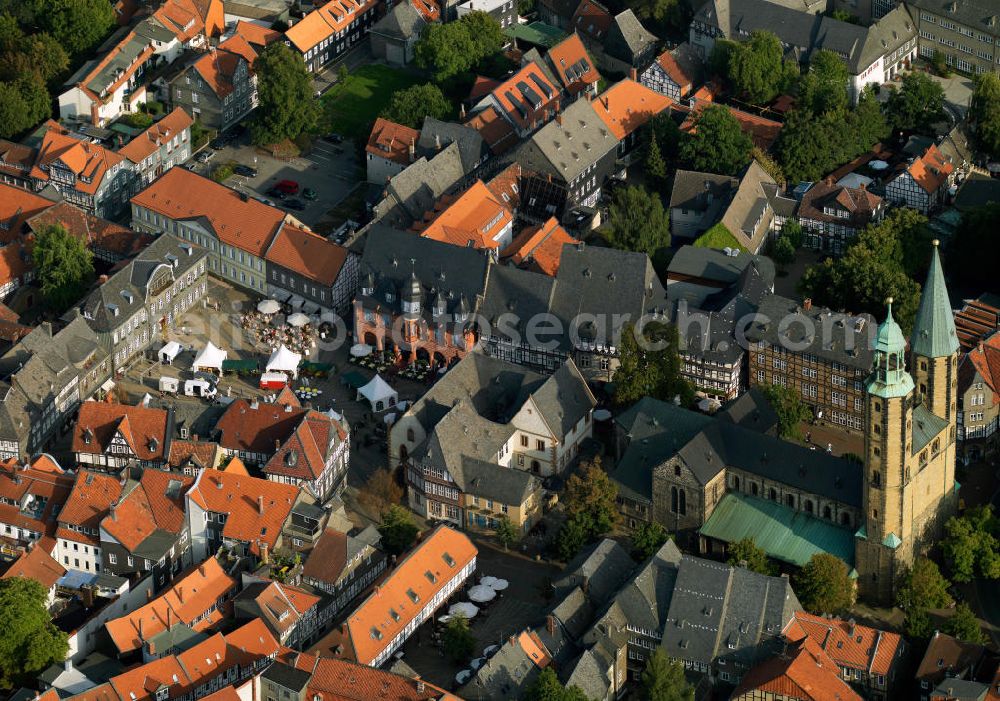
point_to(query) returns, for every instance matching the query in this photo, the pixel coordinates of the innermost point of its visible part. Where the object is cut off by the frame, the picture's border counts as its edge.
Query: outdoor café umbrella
(298, 319)
(268, 306)
(477, 663)
(463, 676)
(481, 594)
(500, 585)
(487, 581)
(464, 609)
(360, 350)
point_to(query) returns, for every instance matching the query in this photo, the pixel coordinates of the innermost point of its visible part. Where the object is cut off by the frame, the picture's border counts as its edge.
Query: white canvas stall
(379, 394)
(211, 356)
(169, 352)
(284, 360)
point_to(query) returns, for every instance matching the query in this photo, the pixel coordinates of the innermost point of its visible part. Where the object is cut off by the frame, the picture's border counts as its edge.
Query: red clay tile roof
(148, 142)
(482, 86)
(140, 683)
(984, 358)
(496, 131)
(17, 206)
(143, 428)
(505, 185)
(340, 680)
(187, 599)
(283, 606)
(94, 231)
(373, 626)
(860, 204)
(539, 247)
(304, 453)
(670, 65)
(256, 35)
(38, 565)
(88, 161)
(976, 321)
(16, 159)
(764, 132)
(328, 557)
(89, 502)
(592, 18)
(474, 218)
(511, 97)
(13, 266)
(848, 644)
(218, 67)
(243, 499)
(51, 489)
(257, 428)
(802, 672)
(245, 224)
(573, 64)
(392, 141)
(325, 22)
(946, 656)
(931, 170)
(627, 105)
(155, 503)
(428, 9)
(307, 254)
(183, 451)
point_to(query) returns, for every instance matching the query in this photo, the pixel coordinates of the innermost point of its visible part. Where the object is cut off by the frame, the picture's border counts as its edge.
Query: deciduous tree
(547, 687)
(649, 365)
(823, 88)
(457, 639)
(78, 25)
(380, 492)
(30, 642)
(824, 585)
(572, 536)
(507, 532)
(964, 625)
(590, 491)
(717, 144)
(790, 409)
(984, 112)
(455, 47)
(64, 266)
(397, 529)
(755, 67)
(917, 104)
(922, 588)
(656, 168)
(637, 221)
(663, 679)
(971, 548)
(751, 555)
(647, 539)
(411, 105)
(287, 107)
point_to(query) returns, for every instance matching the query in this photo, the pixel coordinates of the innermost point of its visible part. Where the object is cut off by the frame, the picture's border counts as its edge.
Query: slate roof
(701, 192)
(713, 265)
(436, 134)
(974, 13)
(627, 40)
(416, 188)
(509, 670)
(600, 570)
(850, 341)
(934, 333)
(977, 190)
(568, 146)
(401, 22)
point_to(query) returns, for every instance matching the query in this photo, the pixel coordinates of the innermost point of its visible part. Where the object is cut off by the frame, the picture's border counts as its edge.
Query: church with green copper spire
(910, 425)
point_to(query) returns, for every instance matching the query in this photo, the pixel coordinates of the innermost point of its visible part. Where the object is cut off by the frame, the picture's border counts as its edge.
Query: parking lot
(329, 169)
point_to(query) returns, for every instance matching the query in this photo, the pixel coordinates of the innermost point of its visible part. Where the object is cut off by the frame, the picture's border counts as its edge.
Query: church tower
(909, 480)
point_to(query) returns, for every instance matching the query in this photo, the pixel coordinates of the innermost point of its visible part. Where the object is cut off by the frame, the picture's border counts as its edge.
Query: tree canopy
(456, 47)
(663, 679)
(23, 104)
(791, 410)
(647, 539)
(507, 532)
(984, 112)
(823, 88)
(30, 642)
(458, 641)
(917, 104)
(591, 508)
(717, 144)
(547, 687)
(380, 492)
(971, 548)
(751, 555)
(964, 625)
(287, 107)
(824, 585)
(649, 365)
(637, 221)
(410, 106)
(874, 268)
(397, 529)
(64, 266)
(922, 588)
(757, 69)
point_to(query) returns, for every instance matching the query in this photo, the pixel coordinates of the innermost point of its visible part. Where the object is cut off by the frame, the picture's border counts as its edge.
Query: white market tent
(284, 360)
(211, 356)
(268, 306)
(379, 394)
(169, 352)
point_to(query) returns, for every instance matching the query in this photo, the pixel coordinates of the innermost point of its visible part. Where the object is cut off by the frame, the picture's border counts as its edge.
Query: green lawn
(718, 237)
(352, 106)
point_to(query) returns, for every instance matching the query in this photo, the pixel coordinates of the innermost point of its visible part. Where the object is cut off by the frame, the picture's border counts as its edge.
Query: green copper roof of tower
(934, 329)
(889, 377)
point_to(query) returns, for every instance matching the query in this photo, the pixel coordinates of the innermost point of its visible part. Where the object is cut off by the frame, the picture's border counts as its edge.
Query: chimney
(180, 593)
(550, 624)
(201, 569)
(807, 304)
(265, 556)
(413, 150)
(277, 445)
(140, 628)
(633, 74)
(437, 142)
(102, 279)
(559, 118)
(260, 504)
(851, 627)
(420, 686)
(461, 111)
(557, 106)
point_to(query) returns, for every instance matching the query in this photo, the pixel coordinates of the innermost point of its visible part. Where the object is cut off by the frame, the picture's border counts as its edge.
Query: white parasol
(463, 608)
(487, 581)
(500, 585)
(360, 350)
(477, 663)
(481, 594)
(268, 306)
(298, 319)
(490, 650)
(602, 415)
(463, 676)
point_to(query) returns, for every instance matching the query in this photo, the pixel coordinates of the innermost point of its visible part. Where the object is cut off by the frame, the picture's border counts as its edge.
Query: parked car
(205, 156)
(245, 171)
(275, 193)
(309, 194)
(289, 187)
(334, 138)
(296, 204)
(218, 142)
